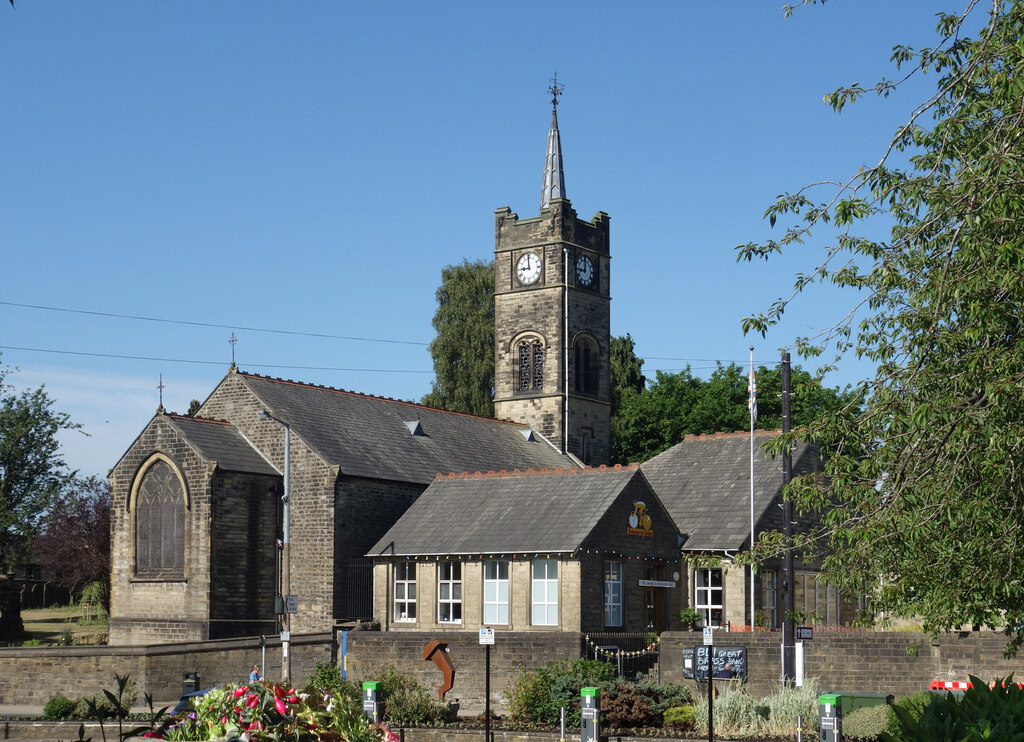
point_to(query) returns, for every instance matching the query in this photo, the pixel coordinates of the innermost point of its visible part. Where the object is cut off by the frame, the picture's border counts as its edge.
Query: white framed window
(769, 598)
(613, 593)
(707, 595)
(405, 591)
(545, 592)
(808, 584)
(495, 592)
(449, 592)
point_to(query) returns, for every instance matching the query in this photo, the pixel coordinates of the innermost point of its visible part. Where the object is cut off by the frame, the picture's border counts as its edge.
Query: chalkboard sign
(695, 662)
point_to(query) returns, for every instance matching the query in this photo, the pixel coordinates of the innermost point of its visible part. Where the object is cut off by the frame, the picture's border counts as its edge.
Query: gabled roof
(370, 436)
(220, 441)
(704, 483)
(549, 511)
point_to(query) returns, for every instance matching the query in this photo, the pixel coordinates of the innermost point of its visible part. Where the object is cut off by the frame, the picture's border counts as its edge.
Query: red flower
(294, 699)
(252, 701)
(153, 733)
(239, 692)
(280, 706)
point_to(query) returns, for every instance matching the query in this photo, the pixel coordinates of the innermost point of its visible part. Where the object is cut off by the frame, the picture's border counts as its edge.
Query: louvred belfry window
(160, 524)
(531, 365)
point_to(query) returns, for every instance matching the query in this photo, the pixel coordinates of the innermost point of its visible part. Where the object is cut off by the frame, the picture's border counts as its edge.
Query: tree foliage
(32, 470)
(463, 350)
(926, 493)
(73, 545)
(675, 405)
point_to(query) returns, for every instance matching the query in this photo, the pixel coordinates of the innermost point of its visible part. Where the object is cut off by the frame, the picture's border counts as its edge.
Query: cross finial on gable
(233, 340)
(161, 387)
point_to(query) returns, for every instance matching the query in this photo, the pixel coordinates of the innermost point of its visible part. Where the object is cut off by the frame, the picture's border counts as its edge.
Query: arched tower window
(530, 358)
(159, 502)
(587, 361)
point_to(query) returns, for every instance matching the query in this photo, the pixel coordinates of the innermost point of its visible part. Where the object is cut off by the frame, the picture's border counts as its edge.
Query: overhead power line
(212, 324)
(210, 363)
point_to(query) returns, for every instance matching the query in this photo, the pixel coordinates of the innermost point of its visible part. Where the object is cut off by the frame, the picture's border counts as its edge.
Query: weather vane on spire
(555, 90)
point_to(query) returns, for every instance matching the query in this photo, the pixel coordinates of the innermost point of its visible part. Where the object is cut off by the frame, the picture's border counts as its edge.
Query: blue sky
(311, 167)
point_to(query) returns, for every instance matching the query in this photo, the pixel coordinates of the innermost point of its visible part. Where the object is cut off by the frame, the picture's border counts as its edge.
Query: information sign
(696, 660)
(487, 635)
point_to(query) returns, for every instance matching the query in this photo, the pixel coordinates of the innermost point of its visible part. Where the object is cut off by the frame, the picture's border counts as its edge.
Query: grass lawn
(56, 624)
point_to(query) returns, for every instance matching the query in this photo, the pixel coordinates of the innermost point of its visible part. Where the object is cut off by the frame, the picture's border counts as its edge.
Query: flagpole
(752, 405)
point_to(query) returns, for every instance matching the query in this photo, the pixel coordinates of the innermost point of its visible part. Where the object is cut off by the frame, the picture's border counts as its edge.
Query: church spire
(554, 177)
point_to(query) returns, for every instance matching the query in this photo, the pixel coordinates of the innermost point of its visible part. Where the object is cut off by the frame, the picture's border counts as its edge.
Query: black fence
(634, 655)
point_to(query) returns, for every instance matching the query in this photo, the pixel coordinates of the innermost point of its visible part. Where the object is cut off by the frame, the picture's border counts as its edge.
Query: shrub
(59, 707)
(994, 714)
(915, 704)
(405, 700)
(625, 707)
(536, 696)
(326, 678)
(868, 723)
(680, 717)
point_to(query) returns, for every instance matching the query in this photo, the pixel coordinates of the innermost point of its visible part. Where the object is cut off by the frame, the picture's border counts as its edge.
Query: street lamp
(286, 662)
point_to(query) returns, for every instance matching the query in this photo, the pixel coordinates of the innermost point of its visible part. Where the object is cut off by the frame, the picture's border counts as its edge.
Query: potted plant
(692, 618)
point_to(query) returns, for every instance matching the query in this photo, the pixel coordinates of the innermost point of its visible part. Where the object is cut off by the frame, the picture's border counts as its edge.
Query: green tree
(463, 350)
(926, 491)
(32, 470)
(680, 404)
(193, 407)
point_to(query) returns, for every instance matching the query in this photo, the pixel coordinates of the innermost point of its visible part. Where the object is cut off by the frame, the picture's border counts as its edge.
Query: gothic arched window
(160, 523)
(530, 355)
(587, 361)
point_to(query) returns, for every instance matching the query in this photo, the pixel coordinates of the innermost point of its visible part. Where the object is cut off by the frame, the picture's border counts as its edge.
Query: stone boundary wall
(897, 662)
(900, 663)
(30, 676)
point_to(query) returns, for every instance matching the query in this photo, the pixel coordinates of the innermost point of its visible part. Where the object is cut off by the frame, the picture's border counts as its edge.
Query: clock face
(585, 270)
(528, 268)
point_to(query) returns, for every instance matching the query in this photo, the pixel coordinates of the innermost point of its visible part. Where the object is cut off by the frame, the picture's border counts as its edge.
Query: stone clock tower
(552, 330)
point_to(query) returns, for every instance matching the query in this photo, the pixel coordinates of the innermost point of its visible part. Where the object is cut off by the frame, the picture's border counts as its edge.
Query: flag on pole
(752, 391)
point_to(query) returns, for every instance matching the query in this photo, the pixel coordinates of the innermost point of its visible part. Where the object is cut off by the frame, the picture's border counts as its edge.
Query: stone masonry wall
(312, 502)
(150, 611)
(243, 566)
(901, 663)
(33, 675)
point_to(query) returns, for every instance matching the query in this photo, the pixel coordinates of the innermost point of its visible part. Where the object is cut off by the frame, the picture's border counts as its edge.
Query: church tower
(552, 329)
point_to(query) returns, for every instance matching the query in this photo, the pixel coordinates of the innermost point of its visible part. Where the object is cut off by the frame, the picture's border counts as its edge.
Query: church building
(283, 498)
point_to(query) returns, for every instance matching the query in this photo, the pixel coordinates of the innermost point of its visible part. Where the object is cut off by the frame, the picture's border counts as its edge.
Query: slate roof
(704, 483)
(368, 436)
(216, 440)
(540, 512)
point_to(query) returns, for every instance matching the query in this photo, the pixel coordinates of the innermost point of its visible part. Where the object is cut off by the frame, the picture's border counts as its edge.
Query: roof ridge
(213, 420)
(379, 398)
(544, 472)
(723, 435)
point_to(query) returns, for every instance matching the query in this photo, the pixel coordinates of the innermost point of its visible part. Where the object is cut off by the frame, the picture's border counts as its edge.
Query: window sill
(153, 580)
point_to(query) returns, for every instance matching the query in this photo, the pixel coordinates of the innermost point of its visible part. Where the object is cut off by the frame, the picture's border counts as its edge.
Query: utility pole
(788, 578)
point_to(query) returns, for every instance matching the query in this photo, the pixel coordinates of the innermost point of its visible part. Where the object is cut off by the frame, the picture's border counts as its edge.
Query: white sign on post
(709, 636)
(487, 635)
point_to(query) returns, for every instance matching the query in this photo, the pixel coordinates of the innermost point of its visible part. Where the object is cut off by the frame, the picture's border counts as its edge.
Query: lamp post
(286, 662)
